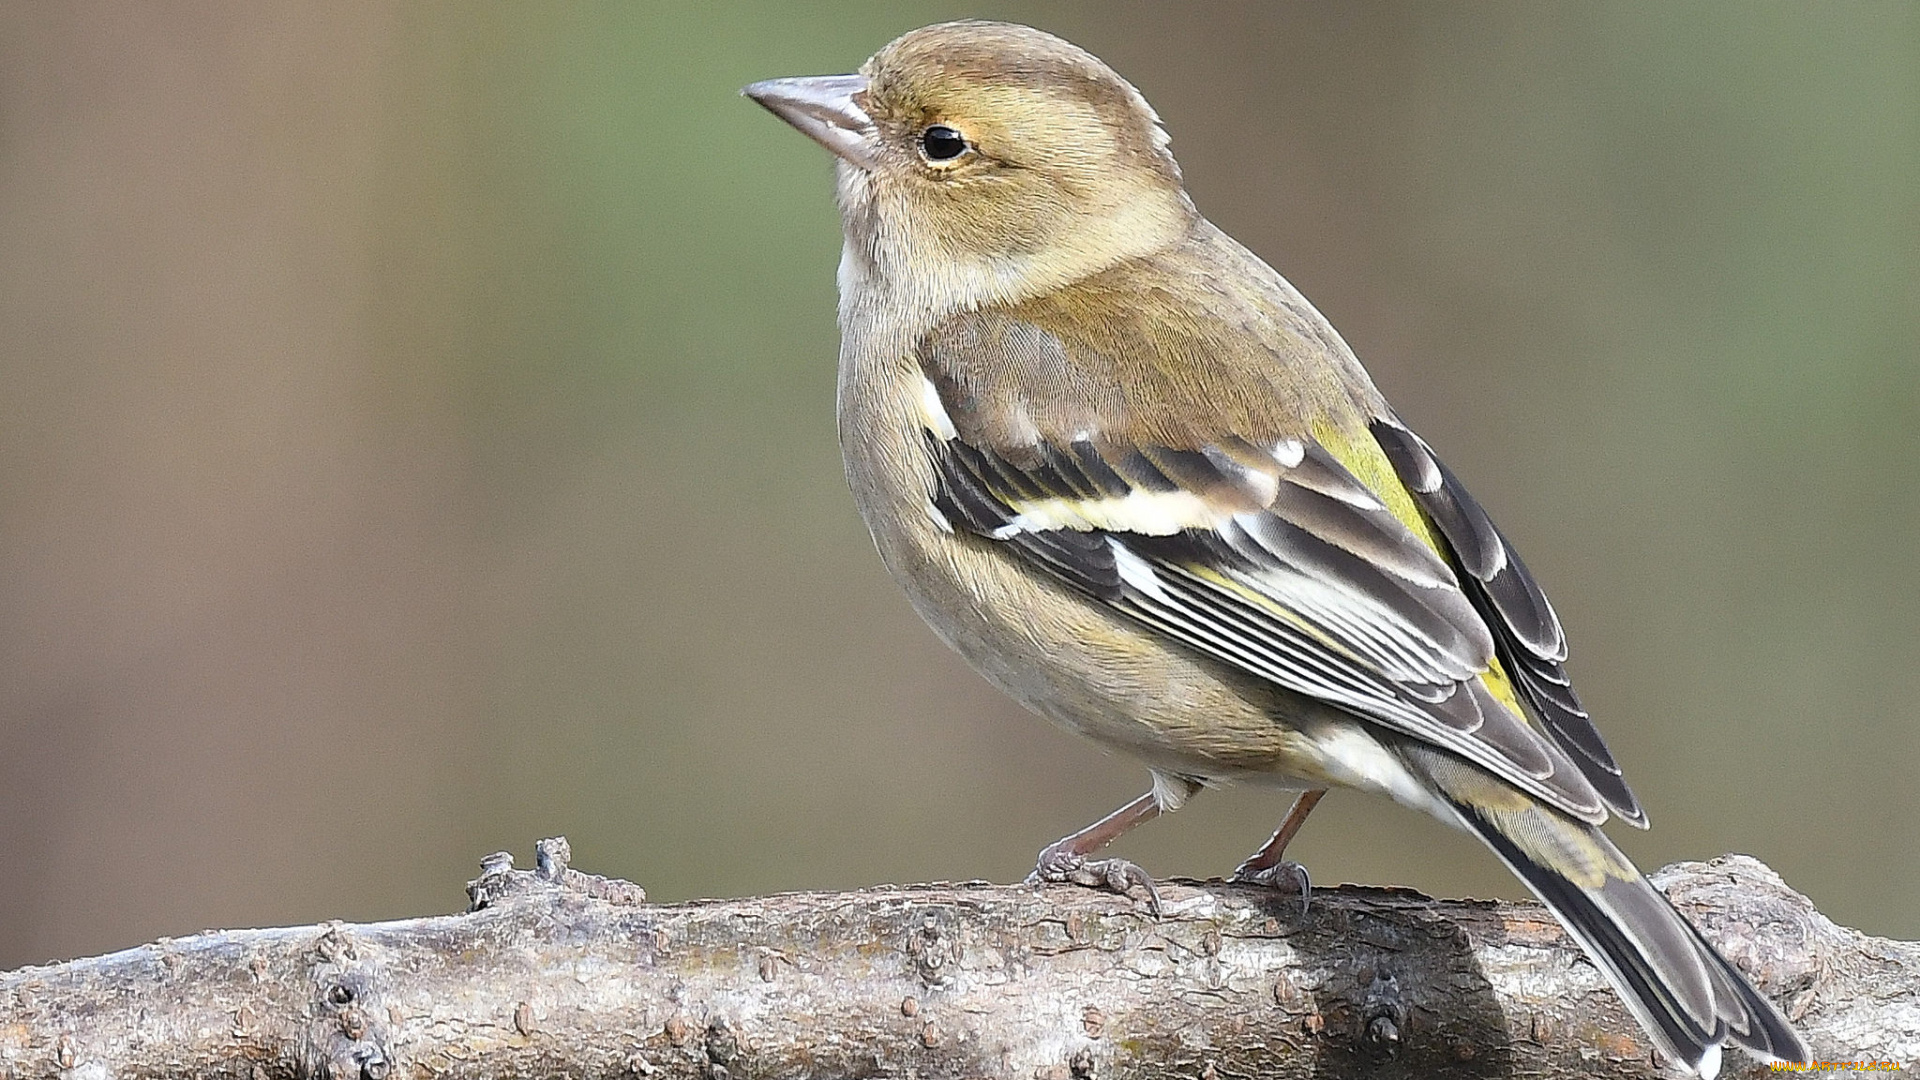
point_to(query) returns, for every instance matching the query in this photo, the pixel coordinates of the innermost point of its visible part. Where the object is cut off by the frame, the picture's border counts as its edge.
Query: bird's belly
(1101, 675)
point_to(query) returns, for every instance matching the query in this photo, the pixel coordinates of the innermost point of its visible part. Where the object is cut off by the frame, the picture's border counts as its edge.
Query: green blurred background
(416, 437)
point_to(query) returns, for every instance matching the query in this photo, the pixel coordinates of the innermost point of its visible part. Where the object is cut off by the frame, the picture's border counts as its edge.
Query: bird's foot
(1064, 865)
(1287, 877)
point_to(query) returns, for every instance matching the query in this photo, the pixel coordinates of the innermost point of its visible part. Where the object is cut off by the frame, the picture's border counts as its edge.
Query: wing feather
(1532, 645)
(1334, 603)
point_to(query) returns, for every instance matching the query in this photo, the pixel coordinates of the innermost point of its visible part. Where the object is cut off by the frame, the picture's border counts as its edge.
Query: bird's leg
(1269, 865)
(1065, 860)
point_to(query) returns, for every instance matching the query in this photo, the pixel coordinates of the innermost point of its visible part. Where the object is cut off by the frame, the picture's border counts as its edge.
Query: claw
(1113, 875)
(1286, 877)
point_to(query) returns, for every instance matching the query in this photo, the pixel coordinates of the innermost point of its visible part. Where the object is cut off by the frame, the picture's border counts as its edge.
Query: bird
(1140, 484)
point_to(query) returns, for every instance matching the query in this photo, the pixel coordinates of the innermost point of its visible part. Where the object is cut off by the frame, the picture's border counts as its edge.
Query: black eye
(941, 143)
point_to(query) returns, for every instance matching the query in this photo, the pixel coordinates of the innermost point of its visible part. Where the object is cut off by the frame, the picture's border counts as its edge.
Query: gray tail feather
(1687, 996)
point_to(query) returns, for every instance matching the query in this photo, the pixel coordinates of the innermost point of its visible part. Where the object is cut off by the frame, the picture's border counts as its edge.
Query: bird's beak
(826, 109)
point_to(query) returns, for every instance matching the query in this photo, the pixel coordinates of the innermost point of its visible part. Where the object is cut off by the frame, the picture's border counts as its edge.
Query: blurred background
(416, 438)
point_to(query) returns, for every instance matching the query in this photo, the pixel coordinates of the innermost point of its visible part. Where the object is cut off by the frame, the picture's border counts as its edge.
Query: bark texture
(558, 973)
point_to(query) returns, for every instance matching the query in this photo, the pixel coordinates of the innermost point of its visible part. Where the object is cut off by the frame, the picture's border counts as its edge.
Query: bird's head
(988, 161)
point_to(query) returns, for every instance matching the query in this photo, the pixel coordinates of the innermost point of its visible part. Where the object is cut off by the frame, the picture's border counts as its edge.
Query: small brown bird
(1143, 486)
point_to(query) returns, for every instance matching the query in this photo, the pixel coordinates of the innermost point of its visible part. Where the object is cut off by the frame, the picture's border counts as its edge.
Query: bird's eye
(942, 143)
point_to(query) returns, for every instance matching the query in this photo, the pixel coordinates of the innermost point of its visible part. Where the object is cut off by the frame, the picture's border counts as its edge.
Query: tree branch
(561, 973)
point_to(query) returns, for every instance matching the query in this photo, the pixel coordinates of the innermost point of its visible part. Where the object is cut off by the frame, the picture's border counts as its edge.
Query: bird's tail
(1679, 987)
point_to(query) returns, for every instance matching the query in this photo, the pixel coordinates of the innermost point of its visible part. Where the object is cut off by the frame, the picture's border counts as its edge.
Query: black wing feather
(1528, 635)
(966, 499)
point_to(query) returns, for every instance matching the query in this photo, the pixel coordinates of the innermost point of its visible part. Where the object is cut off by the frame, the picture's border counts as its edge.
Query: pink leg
(1268, 866)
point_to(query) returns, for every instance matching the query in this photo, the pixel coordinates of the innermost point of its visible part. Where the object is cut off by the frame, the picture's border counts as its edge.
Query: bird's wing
(1271, 554)
(1527, 633)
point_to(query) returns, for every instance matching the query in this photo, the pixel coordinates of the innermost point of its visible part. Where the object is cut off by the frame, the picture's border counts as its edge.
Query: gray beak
(824, 108)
